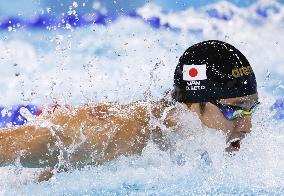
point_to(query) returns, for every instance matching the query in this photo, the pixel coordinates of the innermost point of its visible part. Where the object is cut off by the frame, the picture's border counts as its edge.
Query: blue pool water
(133, 53)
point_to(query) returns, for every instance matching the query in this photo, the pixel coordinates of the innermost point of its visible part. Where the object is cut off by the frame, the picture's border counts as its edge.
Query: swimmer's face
(212, 117)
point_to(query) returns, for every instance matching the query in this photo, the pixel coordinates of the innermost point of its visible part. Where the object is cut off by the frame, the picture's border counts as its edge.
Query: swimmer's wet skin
(92, 134)
(212, 79)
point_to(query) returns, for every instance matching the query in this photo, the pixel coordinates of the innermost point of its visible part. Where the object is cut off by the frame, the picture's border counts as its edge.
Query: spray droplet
(75, 4)
(48, 10)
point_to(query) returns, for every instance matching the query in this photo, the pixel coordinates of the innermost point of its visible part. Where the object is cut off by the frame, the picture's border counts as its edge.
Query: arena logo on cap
(194, 72)
(239, 72)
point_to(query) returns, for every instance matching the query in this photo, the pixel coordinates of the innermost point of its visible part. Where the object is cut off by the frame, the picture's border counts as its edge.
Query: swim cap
(212, 70)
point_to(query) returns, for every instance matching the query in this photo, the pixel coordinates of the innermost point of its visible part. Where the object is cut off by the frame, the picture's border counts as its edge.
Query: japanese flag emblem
(194, 72)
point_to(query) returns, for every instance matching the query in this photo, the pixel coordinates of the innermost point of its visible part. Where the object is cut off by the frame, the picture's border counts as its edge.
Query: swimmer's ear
(188, 105)
(194, 107)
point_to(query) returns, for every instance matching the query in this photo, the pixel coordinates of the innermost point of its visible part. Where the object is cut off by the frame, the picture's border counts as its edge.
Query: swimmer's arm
(28, 144)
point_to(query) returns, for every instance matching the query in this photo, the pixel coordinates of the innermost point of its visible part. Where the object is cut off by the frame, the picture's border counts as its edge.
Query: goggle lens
(232, 112)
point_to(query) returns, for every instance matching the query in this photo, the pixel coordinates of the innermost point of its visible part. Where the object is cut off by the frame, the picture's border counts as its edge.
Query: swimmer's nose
(243, 124)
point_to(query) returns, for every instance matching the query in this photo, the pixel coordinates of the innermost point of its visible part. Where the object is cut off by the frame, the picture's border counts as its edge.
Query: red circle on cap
(193, 72)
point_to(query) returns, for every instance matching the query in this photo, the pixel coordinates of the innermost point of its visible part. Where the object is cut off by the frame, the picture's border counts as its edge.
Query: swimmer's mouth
(236, 144)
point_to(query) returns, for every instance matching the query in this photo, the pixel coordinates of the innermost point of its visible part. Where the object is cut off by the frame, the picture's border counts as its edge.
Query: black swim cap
(212, 70)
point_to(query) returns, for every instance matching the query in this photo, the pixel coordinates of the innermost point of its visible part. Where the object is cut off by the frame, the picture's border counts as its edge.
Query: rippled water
(119, 62)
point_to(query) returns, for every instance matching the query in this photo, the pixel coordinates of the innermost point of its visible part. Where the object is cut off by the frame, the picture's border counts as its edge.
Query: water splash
(121, 61)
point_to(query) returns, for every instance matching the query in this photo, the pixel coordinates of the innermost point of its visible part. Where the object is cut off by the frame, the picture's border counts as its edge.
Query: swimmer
(212, 79)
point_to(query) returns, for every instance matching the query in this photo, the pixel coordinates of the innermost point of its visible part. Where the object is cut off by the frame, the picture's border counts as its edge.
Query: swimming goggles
(232, 112)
